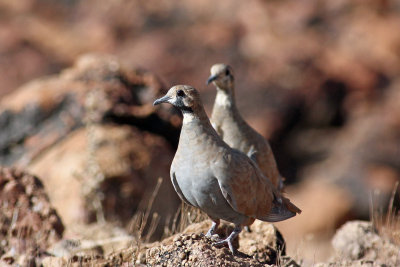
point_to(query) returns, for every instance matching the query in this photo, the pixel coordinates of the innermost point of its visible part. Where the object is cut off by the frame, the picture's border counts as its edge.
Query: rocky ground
(100, 153)
(33, 235)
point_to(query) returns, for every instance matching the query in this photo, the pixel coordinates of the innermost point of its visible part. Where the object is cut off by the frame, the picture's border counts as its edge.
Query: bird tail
(281, 210)
(290, 206)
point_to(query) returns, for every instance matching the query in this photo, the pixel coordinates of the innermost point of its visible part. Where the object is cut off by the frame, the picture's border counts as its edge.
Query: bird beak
(211, 79)
(163, 99)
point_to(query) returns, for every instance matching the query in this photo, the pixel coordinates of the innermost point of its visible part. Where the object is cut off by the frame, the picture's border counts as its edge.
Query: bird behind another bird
(234, 130)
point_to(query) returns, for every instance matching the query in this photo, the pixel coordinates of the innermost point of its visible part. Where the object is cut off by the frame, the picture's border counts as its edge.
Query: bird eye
(180, 93)
(227, 72)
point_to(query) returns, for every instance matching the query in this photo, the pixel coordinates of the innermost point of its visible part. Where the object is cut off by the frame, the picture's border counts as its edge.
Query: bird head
(221, 76)
(184, 97)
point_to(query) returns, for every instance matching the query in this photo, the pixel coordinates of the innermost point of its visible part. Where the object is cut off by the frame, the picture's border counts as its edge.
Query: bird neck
(224, 106)
(191, 117)
(197, 116)
(225, 98)
(197, 122)
(225, 109)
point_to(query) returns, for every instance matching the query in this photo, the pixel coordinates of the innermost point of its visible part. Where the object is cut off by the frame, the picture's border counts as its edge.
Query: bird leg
(214, 227)
(230, 238)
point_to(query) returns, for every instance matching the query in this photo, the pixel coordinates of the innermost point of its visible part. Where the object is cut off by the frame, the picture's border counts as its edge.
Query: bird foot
(209, 233)
(229, 240)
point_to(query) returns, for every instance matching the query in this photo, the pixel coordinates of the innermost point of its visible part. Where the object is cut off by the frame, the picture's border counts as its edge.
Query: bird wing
(250, 193)
(266, 161)
(239, 184)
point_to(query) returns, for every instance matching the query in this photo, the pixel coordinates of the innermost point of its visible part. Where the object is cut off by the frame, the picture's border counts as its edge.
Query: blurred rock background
(320, 79)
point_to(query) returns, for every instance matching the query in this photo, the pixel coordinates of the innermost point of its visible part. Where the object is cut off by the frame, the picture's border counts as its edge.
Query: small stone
(225, 250)
(194, 236)
(214, 238)
(193, 258)
(153, 252)
(182, 255)
(253, 249)
(178, 243)
(204, 247)
(9, 259)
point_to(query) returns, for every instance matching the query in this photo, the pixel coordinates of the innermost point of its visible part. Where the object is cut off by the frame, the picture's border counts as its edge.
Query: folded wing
(250, 193)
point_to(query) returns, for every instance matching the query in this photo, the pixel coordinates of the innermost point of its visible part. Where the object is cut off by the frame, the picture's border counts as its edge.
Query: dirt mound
(195, 250)
(192, 248)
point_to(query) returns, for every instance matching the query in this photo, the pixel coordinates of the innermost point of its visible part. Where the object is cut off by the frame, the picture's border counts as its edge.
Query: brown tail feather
(290, 206)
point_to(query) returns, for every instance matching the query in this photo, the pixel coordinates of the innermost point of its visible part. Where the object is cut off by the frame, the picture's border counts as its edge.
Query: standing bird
(221, 181)
(234, 130)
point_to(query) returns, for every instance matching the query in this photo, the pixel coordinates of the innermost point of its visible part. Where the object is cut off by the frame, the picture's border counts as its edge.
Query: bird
(234, 130)
(221, 181)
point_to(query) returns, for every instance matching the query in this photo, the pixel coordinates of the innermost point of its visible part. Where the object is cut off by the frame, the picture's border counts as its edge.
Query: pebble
(195, 236)
(253, 249)
(214, 238)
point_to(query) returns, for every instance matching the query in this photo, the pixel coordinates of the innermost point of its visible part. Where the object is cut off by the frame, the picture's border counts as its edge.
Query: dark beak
(163, 99)
(211, 79)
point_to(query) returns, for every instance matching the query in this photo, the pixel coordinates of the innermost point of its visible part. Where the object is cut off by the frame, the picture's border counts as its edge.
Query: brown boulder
(119, 171)
(97, 89)
(96, 140)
